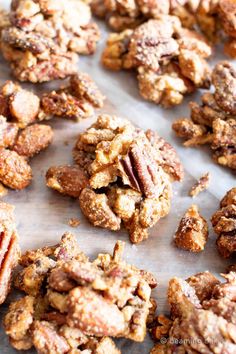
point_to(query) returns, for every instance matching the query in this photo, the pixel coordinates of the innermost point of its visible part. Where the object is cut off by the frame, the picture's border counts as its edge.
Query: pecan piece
(15, 172)
(224, 224)
(224, 80)
(91, 313)
(192, 232)
(18, 320)
(33, 139)
(96, 208)
(24, 107)
(204, 284)
(46, 340)
(200, 185)
(141, 169)
(31, 278)
(166, 156)
(68, 180)
(84, 87)
(63, 104)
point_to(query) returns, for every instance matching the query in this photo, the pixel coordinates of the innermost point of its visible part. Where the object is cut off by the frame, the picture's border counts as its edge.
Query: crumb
(200, 185)
(74, 222)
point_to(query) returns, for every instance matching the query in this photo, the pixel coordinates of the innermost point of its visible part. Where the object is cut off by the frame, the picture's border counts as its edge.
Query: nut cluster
(73, 305)
(214, 121)
(123, 174)
(169, 59)
(76, 100)
(209, 16)
(43, 38)
(203, 315)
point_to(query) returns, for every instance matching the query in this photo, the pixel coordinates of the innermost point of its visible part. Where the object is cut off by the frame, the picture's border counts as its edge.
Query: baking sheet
(42, 214)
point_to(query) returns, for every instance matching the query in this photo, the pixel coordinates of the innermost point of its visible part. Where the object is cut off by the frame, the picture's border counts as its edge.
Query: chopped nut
(74, 222)
(74, 101)
(200, 185)
(224, 224)
(68, 180)
(192, 232)
(96, 208)
(46, 339)
(162, 328)
(203, 284)
(18, 320)
(15, 172)
(84, 87)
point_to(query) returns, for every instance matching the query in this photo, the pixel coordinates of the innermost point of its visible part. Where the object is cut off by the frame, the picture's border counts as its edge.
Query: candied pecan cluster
(43, 38)
(203, 314)
(214, 121)
(224, 224)
(9, 249)
(123, 174)
(73, 305)
(192, 232)
(214, 18)
(170, 60)
(76, 100)
(120, 14)
(21, 136)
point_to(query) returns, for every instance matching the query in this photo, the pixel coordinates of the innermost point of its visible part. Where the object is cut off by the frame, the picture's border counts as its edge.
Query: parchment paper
(42, 214)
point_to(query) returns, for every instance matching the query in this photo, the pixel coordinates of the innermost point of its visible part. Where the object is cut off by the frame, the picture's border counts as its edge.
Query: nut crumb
(74, 222)
(200, 185)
